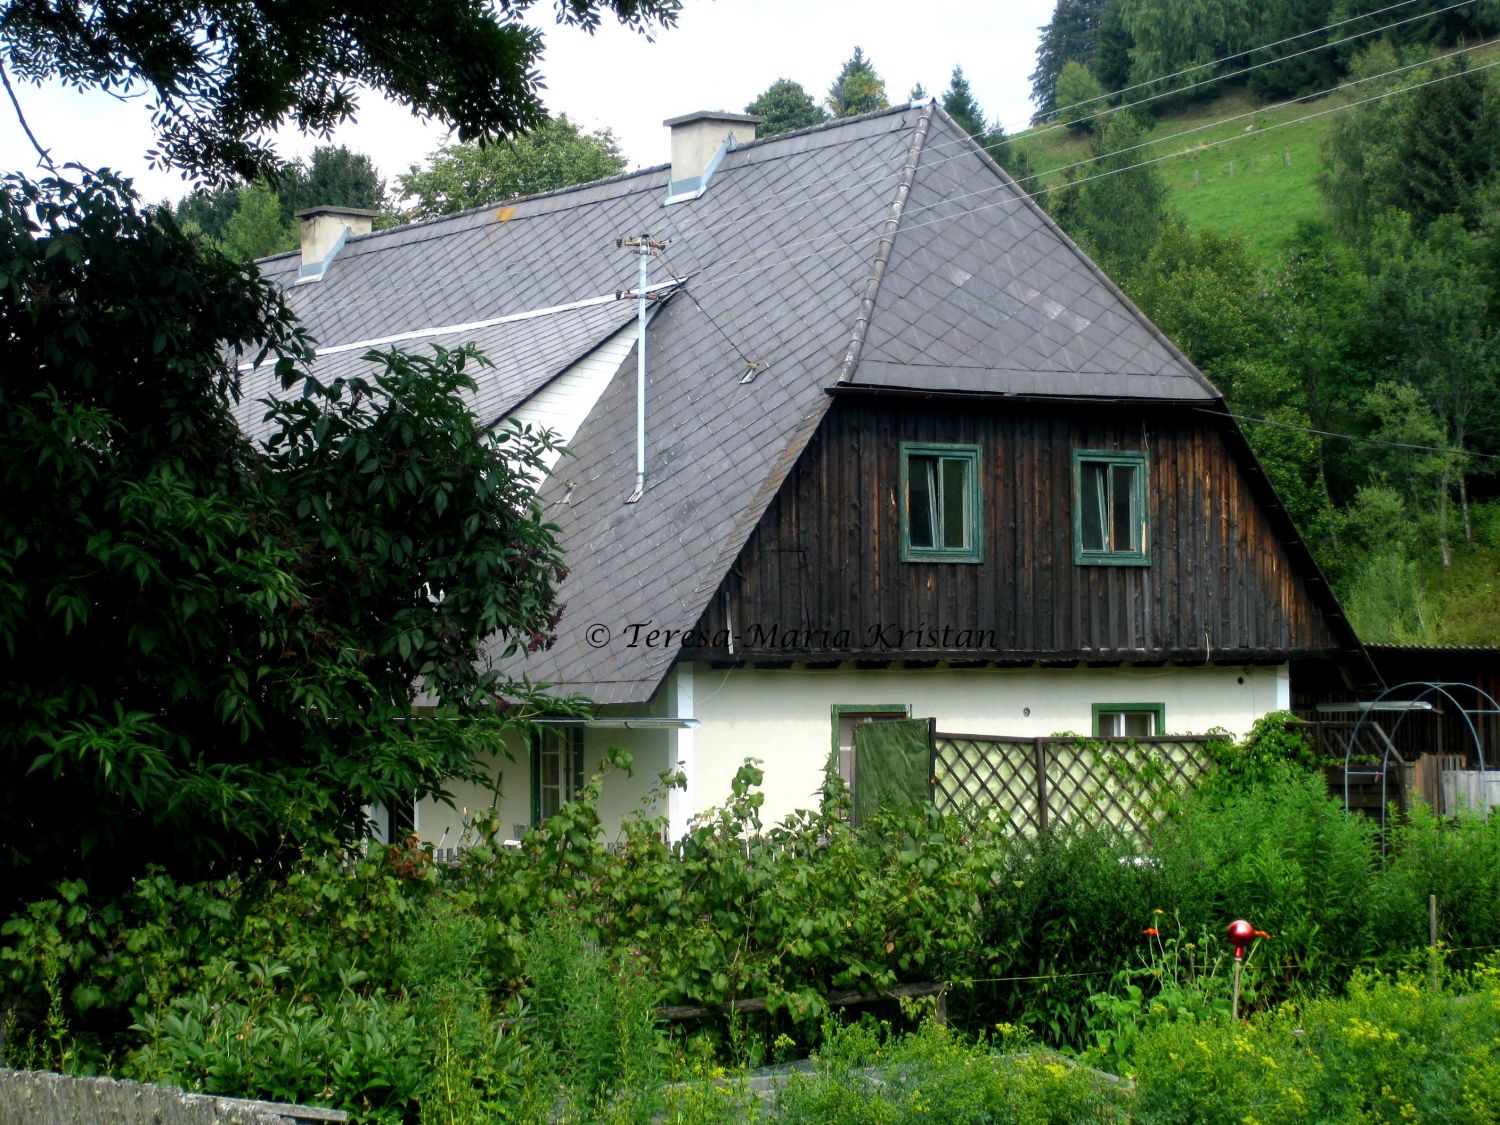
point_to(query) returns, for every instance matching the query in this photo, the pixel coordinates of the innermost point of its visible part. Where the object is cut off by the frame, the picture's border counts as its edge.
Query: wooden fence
(1042, 783)
(1033, 783)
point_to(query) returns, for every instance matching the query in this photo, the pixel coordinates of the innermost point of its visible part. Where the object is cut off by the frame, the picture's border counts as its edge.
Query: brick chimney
(697, 139)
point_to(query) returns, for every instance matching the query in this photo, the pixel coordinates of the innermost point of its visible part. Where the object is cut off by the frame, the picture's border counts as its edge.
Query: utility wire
(1353, 437)
(1247, 51)
(966, 149)
(1053, 127)
(752, 366)
(963, 144)
(1021, 199)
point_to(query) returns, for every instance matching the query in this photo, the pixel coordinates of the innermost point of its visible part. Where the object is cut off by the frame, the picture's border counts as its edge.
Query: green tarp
(892, 765)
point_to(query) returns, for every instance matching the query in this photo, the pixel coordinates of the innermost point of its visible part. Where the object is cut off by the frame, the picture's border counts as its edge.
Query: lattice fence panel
(992, 776)
(1036, 783)
(1125, 784)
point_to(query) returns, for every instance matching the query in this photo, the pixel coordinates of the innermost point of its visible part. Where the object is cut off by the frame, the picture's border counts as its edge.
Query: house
(904, 450)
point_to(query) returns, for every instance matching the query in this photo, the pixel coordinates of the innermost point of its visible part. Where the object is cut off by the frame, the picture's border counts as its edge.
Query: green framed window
(1129, 720)
(940, 510)
(556, 770)
(1110, 517)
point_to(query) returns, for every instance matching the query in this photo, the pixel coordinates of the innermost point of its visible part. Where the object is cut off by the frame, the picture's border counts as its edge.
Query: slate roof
(883, 250)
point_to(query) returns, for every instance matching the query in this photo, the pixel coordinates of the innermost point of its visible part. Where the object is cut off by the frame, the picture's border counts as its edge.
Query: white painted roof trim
(476, 325)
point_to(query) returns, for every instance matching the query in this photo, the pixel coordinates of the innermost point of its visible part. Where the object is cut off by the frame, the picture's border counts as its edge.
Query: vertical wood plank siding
(822, 578)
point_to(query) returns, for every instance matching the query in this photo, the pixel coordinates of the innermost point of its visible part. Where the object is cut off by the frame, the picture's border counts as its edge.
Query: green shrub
(1393, 1051)
(1285, 857)
(1277, 748)
(866, 1076)
(592, 1036)
(245, 1033)
(1065, 914)
(1457, 860)
(1175, 976)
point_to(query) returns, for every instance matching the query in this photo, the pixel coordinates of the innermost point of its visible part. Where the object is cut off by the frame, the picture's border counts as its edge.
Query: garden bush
(865, 1076)
(1393, 1050)
(525, 984)
(1067, 909)
(1284, 856)
(1456, 860)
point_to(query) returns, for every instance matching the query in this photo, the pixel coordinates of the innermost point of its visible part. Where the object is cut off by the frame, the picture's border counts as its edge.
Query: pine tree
(1071, 36)
(1446, 150)
(333, 175)
(857, 89)
(958, 102)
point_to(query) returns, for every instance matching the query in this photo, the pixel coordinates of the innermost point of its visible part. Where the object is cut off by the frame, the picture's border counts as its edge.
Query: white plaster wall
(784, 716)
(563, 404)
(442, 825)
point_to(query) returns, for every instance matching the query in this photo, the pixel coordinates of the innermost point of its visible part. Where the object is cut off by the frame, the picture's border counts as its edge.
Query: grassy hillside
(1233, 165)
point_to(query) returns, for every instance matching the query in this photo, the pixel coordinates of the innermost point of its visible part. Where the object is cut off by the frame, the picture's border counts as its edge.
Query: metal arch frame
(1429, 687)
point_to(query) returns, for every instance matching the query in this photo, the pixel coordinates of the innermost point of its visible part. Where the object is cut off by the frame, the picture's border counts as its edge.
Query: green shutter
(892, 765)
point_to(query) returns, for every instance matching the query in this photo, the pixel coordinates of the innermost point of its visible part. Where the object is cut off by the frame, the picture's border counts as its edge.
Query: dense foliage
(208, 650)
(1361, 352)
(555, 154)
(222, 74)
(783, 106)
(259, 219)
(511, 983)
(1277, 48)
(857, 89)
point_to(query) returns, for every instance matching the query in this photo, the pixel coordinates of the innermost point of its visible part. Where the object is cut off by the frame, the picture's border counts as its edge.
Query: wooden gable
(822, 577)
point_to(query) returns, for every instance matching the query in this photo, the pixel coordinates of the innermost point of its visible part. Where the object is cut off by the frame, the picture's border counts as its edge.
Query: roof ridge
(470, 212)
(826, 126)
(850, 361)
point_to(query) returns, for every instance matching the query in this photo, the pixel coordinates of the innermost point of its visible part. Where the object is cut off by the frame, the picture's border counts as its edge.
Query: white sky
(721, 55)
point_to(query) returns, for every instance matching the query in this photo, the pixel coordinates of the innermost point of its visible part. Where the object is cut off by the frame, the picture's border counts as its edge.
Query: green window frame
(556, 770)
(941, 515)
(1117, 716)
(1111, 517)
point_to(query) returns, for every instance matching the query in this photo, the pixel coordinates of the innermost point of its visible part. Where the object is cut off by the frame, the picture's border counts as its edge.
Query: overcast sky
(720, 56)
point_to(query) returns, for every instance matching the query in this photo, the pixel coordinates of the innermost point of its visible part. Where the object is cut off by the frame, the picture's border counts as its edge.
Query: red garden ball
(1241, 934)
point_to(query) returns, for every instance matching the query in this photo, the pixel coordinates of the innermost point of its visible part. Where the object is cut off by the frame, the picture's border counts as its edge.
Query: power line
(964, 145)
(1248, 51)
(1022, 198)
(1053, 127)
(1357, 438)
(752, 366)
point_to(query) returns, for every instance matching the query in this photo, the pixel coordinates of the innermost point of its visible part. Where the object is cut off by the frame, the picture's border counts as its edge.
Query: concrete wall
(29, 1097)
(785, 717)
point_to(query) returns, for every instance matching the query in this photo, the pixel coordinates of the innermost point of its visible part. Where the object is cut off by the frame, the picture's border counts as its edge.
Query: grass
(1234, 166)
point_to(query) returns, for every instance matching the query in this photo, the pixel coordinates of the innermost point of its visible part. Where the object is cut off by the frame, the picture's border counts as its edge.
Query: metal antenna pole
(640, 369)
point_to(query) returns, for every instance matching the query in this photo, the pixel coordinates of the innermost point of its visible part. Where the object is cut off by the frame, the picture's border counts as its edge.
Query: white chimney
(324, 231)
(699, 141)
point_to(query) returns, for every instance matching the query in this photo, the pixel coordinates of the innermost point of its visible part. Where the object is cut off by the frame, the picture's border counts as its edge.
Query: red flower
(1150, 931)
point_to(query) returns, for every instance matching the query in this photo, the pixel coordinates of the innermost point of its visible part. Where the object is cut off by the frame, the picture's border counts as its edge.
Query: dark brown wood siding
(822, 577)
